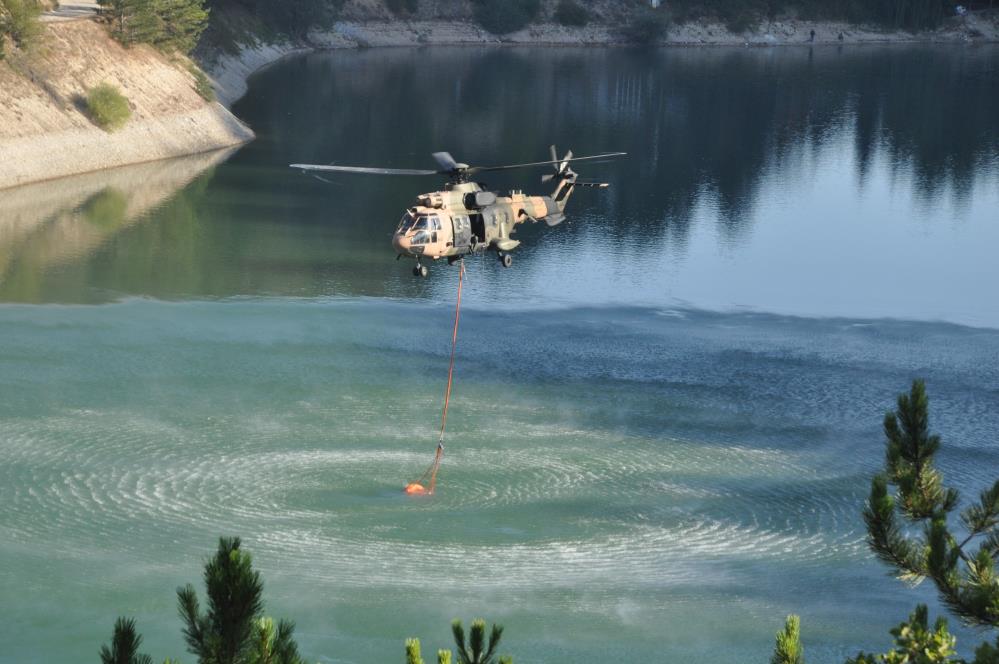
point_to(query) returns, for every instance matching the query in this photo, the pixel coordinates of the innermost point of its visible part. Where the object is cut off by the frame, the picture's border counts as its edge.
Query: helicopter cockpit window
(436, 223)
(421, 224)
(421, 237)
(406, 223)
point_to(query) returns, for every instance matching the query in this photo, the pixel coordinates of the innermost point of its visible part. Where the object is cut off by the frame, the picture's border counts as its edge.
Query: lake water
(665, 414)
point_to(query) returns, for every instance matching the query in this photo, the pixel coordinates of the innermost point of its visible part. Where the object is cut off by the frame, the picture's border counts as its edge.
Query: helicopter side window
(436, 223)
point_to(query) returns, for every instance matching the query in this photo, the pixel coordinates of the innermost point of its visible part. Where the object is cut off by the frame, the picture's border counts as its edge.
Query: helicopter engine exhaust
(479, 199)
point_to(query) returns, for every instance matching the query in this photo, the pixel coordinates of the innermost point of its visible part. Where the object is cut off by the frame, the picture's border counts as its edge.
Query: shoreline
(230, 73)
(45, 136)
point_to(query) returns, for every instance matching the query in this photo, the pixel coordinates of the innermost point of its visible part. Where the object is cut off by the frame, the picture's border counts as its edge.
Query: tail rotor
(562, 170)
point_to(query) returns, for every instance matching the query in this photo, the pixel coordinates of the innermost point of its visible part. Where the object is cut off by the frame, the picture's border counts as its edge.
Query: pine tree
(125, 643)
(965, 579)
(478, 651)
(169, 25)
(223, 633)
(183, 21)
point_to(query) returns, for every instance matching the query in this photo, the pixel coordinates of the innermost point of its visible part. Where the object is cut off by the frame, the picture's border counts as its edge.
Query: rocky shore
(229, 72)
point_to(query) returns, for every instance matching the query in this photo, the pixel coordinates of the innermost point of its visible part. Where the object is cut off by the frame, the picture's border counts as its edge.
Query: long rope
(454, 344)
(439, 454)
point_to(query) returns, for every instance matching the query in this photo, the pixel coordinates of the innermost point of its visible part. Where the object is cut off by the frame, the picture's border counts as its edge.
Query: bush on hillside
(19, 22)
(645, 28)
(107, 107)
(502, 17)
(571, 13)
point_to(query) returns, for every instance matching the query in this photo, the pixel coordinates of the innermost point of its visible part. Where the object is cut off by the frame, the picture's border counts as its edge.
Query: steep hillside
(45, 130)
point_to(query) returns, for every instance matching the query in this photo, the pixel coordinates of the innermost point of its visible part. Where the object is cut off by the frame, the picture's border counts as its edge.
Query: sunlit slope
(46, 133)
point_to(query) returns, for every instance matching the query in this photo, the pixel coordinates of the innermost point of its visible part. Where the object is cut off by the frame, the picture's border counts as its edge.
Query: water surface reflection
(818, 182)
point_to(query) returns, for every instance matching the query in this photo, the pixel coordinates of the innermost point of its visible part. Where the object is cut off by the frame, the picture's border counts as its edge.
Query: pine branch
(787, 649)
(494, 640)
(459, 642)
(909, 454)
(984, 516)
(477, 639)
(991, 544)
(285, 648)
(979, 591)
(194, 624)
(413, 652)
(886, 538)
(125, 642)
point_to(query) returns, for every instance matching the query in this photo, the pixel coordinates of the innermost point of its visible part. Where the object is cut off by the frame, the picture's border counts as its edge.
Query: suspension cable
(419, 486)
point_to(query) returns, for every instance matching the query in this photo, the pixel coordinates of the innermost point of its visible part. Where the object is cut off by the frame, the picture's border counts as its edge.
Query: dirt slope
(45, 132)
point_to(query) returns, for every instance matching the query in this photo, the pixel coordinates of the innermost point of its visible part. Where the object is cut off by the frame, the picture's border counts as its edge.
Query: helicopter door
(462, 230)
(478, 227)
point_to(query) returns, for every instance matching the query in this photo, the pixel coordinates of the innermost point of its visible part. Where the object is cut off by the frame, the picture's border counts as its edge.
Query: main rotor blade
(446, 161)
(361, 169)
(476, 169)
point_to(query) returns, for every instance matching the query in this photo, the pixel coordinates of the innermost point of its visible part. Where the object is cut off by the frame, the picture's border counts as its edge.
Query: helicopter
(465, 218)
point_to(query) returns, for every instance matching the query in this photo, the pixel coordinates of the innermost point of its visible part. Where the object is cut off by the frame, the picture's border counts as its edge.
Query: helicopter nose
(400, 243)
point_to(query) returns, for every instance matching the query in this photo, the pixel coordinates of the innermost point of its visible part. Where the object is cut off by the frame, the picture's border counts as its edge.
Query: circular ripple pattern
(618, 509)
(699, 474)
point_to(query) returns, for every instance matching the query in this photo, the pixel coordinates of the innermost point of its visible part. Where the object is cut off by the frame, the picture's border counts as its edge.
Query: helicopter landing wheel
(420, 270)
(506, 260)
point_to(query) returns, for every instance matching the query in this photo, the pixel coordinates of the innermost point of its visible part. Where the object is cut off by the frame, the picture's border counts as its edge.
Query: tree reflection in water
(705, 128)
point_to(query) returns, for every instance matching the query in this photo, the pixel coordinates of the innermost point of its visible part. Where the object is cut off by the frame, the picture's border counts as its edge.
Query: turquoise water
(665, 415)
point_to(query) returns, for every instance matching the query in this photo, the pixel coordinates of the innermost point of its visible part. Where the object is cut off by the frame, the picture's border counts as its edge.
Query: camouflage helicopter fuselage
(465, 219)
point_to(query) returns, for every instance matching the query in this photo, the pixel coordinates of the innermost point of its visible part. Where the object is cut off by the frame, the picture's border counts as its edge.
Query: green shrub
(645, 28)
(571, 13)
(502, 17)
(403, 6)
(201, 83)
(108, 108)
(19, 21)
